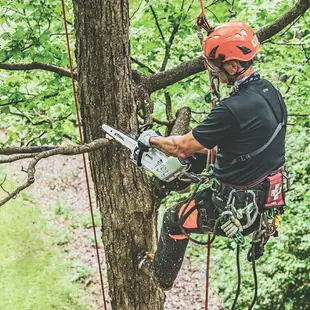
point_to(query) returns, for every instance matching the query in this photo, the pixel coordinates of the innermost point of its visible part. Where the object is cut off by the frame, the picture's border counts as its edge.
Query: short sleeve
(220, 125)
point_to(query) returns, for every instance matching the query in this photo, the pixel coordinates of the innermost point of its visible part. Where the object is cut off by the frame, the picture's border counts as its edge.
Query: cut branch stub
(181, 124)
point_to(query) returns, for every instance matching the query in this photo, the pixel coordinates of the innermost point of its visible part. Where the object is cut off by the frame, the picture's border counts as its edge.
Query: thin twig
(1, 186)
(37, 137)
(157, 24)
(190, 6)
(168, 107)
(213, 15)
(3, 181)
(142, 65)
(232, 12)
(168, 46)
(291, 83)
(299, 115)
(200, 112)
(138, 8)
(161, 122)
(157, 121)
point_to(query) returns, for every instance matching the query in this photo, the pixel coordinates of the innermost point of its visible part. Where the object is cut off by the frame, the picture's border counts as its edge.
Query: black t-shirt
(241, 124)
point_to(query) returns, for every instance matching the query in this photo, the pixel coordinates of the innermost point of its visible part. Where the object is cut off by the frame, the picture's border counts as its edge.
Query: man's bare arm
(178, 146)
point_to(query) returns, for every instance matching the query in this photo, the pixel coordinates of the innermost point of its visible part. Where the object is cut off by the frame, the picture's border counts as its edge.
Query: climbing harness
(84, 157)
(244, 208)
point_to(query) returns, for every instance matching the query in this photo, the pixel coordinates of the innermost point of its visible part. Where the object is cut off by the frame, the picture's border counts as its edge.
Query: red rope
(84, 157)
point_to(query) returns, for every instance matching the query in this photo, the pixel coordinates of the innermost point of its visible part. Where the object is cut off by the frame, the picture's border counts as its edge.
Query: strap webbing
(274, 135)
(258, 151)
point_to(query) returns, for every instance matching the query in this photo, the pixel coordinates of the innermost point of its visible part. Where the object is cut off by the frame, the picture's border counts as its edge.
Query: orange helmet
(231, 41)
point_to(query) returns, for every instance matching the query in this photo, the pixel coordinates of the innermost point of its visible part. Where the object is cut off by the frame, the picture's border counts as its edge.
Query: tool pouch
(275, 193)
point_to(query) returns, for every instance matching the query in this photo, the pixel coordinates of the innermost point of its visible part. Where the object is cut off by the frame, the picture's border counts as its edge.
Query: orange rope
(84, 157)
(203, 23)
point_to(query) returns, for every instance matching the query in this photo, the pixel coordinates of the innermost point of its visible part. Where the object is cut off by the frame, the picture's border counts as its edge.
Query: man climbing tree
(250, 122)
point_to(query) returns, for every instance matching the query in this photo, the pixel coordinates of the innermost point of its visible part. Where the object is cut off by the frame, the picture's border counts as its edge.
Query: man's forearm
(177, 146)
(171, 145)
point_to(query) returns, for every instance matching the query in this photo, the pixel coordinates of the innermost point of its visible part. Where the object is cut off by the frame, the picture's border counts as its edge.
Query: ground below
(60, 191)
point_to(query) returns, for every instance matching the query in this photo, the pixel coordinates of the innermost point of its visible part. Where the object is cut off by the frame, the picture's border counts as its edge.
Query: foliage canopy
(37, 106)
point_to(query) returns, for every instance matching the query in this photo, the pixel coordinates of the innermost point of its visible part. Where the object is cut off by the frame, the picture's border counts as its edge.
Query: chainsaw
(166, 168)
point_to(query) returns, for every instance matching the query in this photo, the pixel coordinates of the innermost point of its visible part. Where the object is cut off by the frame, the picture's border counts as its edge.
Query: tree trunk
(107, 95)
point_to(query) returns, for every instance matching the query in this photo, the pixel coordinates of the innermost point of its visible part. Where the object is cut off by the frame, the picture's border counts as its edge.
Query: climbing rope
(255, 279)
(202, 23)
(84, 157)
(239, 277)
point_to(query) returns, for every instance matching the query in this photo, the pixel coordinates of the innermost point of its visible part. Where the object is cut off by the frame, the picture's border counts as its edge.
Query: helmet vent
(213, 52)
(243, 32)
(244, 49)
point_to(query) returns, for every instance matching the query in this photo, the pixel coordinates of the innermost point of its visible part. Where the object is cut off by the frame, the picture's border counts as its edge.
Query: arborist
(248, 128)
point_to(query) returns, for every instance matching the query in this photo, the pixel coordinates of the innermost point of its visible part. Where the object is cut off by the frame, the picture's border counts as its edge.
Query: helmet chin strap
(232, 78)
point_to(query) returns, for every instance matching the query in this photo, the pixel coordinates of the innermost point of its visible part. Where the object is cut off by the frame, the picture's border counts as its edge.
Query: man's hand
(144, 138)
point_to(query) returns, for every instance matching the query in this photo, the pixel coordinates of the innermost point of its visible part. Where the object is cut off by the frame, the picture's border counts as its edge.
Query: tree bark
(107, 95)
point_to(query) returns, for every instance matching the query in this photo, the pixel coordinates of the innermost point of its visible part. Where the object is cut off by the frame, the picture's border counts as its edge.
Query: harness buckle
(243, 158)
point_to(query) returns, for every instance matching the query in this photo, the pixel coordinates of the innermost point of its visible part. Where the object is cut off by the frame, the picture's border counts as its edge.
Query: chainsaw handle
(144, 128)
(139, 158)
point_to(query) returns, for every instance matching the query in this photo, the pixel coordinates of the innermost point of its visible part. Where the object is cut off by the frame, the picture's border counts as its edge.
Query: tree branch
(270, 30)
(161, 80)
(25, 150)
(17, 157)
(61, 150)
(37, 66)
